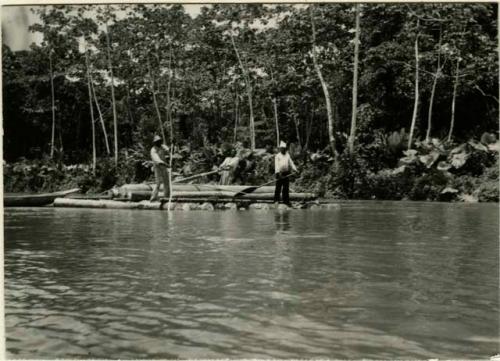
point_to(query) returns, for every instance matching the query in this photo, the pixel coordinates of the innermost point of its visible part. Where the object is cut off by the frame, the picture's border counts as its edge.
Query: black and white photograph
(251, 180)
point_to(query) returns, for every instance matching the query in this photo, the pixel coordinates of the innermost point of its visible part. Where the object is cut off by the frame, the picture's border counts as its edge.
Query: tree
(236, 21)
(92, 119)
(355, 83)
(54, 28)
(324, 85)
(107, 17)
(417, 94)
(252, 73)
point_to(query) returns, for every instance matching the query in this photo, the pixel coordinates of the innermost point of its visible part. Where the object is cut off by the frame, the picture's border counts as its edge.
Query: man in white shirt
(158, 156)
(283, 164)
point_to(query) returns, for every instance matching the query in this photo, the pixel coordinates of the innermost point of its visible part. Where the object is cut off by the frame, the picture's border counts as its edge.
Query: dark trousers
(282, 187)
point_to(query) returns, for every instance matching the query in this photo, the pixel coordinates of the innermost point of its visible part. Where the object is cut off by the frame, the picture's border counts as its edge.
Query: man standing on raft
(158, 156)
(282, 165)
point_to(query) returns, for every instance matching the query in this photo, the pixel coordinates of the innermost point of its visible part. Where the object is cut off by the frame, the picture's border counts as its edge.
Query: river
(379, 280)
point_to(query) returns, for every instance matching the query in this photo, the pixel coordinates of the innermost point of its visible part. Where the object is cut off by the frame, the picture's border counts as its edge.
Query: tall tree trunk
(352, 134)
(61, 147)
(103, 125)
(297, 131)
(113, 102)
(309, 129)
(415, 105)
(236, 117)
(275, 111)
(433, 92)
(324, 86)
(431, 102)
(171, 121)
(129, 107)
(94, 156)
(53, 105)
(155, 102)
(249, 95)
(453, 99)
(169, 97)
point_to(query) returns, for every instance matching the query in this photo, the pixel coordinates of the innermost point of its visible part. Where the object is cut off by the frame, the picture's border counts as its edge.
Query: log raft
(186, 196)
(127, 189)
(179, 204)
(136, 196)
(143, 191)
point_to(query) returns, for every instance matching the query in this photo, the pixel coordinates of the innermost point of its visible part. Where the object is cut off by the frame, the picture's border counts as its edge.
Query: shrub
(313, 177)
(488, 191)
(428, 186)
(349, 179)
(390, 184)
(383, 151)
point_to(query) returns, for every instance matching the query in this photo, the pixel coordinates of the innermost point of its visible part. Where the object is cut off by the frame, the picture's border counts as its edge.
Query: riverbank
(434, 171)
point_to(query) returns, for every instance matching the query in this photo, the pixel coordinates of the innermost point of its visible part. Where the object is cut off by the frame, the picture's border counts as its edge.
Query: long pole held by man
(283, 165)
(161, 170)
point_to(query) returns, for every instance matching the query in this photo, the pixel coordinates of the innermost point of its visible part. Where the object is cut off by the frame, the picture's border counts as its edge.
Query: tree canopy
(247, 72)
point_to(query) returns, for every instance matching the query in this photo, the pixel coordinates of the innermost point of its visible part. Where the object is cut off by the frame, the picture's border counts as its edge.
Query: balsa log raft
(204, 192)
(186, 204)
(126, 189)
(136, 196)
(103, 203)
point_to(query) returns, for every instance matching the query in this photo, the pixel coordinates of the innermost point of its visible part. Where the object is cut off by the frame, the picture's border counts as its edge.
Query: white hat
(282, 144)
(156, 138)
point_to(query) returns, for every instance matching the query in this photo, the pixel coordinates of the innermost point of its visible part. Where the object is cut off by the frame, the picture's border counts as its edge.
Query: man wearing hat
(158, 154)
(283, 165)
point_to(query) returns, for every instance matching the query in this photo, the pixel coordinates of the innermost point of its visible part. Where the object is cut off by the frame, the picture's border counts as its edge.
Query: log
(144, 187)
(90, 196)
(92, 203)
(144, 195)
(242, 202)
(180, 204)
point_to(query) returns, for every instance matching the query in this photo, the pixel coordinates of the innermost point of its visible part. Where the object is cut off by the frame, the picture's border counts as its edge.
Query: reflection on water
(369, 280)
(282, 220)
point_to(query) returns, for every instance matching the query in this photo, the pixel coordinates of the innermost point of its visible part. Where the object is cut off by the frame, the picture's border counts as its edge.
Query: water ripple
(369, 280)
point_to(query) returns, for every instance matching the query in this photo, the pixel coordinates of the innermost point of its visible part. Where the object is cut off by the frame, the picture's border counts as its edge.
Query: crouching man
(159, 153)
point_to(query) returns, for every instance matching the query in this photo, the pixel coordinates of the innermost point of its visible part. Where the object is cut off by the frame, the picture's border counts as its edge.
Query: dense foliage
(246, 73)
(433, 171)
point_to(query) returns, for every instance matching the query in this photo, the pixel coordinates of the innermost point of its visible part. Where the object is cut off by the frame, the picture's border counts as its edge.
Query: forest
(377, 101)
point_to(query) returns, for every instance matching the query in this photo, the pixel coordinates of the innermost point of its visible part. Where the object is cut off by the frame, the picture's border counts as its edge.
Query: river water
(380, 280)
